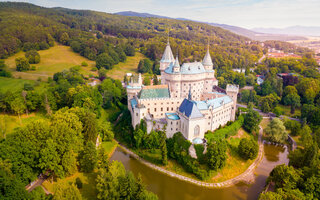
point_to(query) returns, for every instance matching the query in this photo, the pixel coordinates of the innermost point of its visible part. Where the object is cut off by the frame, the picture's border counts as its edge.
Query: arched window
(196, 130)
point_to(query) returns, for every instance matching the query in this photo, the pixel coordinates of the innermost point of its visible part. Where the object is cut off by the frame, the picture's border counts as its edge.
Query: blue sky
(244, 13)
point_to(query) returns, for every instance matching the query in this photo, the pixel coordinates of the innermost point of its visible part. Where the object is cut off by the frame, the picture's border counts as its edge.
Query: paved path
(36, 183)
(247, 176)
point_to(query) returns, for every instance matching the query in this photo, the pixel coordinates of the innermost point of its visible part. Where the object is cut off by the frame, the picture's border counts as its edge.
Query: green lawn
(12, 121)
(109, 146)
(129, 66)
(287, 111)
(235, 165)
(11, 84)
(88, 190)
(53, 60)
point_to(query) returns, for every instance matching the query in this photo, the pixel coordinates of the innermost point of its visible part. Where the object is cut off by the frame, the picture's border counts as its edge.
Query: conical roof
(167, 55)
(176, 62)
(207, 61)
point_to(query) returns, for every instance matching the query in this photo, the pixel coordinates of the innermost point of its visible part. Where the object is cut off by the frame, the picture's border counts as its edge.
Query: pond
(168, 188)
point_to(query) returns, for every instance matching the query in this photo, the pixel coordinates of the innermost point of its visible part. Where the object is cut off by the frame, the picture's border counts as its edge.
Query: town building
(187, 101)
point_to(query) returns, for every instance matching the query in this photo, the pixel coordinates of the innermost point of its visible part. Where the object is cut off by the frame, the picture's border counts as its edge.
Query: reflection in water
(168, 188)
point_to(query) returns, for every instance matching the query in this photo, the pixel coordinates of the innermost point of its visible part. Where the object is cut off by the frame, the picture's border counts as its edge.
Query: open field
(12, 121)
(11, 84)
(130, 66)
(53, 60)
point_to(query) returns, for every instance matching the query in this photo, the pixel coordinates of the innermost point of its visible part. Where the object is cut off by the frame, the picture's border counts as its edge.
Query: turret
(232, 91)
(176, 66)
(166, 60)
(140, 79)
(207, 61)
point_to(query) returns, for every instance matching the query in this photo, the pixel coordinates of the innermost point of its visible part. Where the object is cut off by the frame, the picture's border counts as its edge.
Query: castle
(187, 101)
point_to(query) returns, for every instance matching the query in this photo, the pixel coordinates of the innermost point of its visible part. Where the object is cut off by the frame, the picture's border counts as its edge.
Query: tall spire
(207, 61)
(189, 95)
(167, 54)
(176, 62)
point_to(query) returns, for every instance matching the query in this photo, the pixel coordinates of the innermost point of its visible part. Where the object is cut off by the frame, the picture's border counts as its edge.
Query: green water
(168, 188)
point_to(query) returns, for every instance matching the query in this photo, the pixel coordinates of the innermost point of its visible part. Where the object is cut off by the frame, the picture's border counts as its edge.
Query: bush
(33, 68)
(84, 64)
(33, 56)
(277, 111)
(94, 69)
(248, 149)
(22, 64)
(28, 87)
(78, 183)
(225, 131)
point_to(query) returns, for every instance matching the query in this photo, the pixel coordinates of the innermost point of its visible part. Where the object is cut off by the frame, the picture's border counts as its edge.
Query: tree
(18, 106)
(3, 127)
(69, 163)
(276, 131)
(252, 120)
(285, 176)
(22, 64)
(104, 61)
(216, 155)
(291, 98)
(105, 131)
(248, 148)
(33, 56)
(164, 151)
(66, 191)
(64, 38)
(88, 157)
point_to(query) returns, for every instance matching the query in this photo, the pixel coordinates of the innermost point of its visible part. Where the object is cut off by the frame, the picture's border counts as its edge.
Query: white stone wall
(173, 126)
(158, 107)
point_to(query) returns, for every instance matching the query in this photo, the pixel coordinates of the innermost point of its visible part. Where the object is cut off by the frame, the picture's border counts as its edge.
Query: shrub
(277, 111)
(248, 148)
(84, 64)
(78, 183)
(33, 56)
(94, 69)
(22, 64)
(33, 68)
(225, 131)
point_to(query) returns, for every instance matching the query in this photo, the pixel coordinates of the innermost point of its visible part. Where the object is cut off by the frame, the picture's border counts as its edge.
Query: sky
(244, 13)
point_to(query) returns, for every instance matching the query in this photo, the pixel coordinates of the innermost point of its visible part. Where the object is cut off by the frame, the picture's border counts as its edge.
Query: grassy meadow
(55, 59)
(129, 66)
(11, 84)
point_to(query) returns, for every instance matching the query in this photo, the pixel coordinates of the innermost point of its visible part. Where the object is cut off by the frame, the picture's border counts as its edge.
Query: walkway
(247, 176)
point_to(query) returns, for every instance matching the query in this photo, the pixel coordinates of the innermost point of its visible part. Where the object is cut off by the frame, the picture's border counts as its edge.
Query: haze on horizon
(243, 13)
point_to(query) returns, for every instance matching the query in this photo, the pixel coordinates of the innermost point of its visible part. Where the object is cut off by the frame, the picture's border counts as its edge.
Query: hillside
(252, 34)
(53, 60)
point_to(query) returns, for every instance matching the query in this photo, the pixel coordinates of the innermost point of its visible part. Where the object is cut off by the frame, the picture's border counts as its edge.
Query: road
(269, 114)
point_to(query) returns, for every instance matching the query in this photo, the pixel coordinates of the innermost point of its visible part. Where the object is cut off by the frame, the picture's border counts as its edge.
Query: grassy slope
(53, 60)
(12, 121)
(130, 66)
(11, 84)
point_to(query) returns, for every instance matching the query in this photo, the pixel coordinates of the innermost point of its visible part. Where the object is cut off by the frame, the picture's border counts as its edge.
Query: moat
(168, 188)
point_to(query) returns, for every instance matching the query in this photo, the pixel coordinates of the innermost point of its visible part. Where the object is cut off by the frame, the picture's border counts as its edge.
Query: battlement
(232, 88)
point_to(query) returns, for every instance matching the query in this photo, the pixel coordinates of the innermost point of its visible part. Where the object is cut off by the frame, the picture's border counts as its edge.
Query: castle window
(171, 123)
(172, 109)
(176, 129)
(177, 123)
(161, 109)
(167, 108)
(196, 130)
(137, 114)
(155, 109)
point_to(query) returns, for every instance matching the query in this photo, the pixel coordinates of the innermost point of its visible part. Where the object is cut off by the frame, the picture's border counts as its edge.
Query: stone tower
(166, 60)
(232, 91)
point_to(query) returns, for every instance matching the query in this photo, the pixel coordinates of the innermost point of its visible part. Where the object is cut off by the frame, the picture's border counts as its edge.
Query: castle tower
(232, 91)
(166, 60)
(140, 79)
(207, 61)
